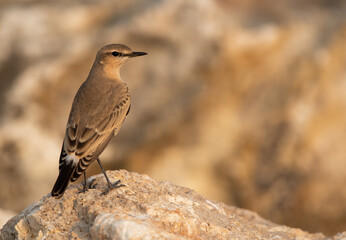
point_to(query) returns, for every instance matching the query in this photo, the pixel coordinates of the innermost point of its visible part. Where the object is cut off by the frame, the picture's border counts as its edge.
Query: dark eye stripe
(116, 54)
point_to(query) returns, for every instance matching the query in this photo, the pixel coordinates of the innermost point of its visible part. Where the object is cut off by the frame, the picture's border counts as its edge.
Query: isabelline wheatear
(98, 111)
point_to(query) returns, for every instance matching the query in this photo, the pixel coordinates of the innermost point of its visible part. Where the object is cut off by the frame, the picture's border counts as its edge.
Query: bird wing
(88, 139)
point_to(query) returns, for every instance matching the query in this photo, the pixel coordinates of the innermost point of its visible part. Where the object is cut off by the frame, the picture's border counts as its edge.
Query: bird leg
(111, 186)
(85, 188)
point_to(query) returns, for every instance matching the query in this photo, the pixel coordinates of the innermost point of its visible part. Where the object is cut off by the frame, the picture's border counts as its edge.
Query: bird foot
(83, 190)
(111, 186)
(87, 186)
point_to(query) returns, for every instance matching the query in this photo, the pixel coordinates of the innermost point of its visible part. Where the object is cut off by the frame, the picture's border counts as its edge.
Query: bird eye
(115, 54)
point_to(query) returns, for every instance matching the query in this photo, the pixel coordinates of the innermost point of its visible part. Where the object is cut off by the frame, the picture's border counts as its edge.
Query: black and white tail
(66, 169)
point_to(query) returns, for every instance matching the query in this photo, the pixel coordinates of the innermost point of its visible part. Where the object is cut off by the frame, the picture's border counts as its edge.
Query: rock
(143, 209)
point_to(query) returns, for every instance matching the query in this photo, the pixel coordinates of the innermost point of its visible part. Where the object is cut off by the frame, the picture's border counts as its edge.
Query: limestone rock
(143, 209)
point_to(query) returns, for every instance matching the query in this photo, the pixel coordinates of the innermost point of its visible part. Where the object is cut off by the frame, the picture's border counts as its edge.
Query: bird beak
(136, 54)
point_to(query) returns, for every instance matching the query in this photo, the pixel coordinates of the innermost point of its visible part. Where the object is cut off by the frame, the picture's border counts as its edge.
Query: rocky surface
(143, 209)
(243, 101)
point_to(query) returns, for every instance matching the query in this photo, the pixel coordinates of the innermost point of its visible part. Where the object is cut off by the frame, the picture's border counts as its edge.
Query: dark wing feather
(86, 161)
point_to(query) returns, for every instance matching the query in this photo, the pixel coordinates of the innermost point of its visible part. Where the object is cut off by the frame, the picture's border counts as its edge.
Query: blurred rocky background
(243, 101)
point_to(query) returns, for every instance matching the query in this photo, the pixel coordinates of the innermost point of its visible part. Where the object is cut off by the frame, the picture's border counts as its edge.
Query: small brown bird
(98, 111)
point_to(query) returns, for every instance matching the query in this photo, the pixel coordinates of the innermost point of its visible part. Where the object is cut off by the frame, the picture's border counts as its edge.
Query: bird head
(115, 55)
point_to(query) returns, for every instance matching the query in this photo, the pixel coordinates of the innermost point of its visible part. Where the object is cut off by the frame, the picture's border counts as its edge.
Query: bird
(98, 111)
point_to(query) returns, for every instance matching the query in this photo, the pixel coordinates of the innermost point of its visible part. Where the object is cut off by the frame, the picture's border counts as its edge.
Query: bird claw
(83, 189)
(87, 186)
(115, 185)
(91, 184)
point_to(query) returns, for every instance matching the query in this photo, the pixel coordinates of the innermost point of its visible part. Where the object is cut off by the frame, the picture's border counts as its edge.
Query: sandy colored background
(243, 101)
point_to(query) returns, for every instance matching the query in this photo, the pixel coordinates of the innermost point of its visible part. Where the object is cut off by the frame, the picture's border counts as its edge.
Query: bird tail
(66, 170)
